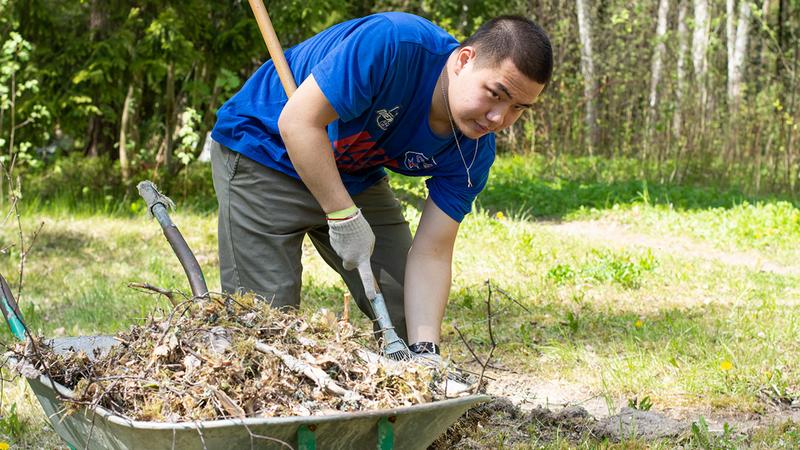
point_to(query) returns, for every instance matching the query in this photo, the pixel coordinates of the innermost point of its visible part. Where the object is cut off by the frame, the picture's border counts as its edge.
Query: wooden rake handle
(273, 46)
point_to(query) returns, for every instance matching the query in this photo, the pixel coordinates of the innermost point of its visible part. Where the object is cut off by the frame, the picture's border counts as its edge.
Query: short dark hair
(518, 39)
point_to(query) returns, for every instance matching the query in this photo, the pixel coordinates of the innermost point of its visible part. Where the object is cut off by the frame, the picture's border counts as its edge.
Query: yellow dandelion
(499, 215)
(638, 324)
(726, 365)
(4, 446)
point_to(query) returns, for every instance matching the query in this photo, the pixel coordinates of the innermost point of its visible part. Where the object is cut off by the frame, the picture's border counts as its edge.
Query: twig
(260, 436)
(491, 333)
(346, 313)
(508, 296)
(469, 347)
(149, 287)
(200, 432)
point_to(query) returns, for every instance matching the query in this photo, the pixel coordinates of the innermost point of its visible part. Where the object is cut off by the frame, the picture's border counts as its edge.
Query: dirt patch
(502, 423)
(620, 235)
(530, 410)
(528, 392)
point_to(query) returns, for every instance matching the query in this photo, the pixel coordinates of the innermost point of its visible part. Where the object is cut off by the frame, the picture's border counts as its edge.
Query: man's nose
(496, 115)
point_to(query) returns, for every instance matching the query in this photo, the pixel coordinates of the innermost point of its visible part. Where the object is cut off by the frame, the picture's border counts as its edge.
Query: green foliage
(623, 269)
(11, 424)
(19, 102)
(606, 266)
(561, 273)
(705, 439)
(642, 405)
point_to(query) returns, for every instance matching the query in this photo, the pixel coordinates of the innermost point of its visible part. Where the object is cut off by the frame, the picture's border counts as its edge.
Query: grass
(622, 319)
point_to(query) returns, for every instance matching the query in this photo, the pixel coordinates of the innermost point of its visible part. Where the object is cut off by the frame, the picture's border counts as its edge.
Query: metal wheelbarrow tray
(412, 427)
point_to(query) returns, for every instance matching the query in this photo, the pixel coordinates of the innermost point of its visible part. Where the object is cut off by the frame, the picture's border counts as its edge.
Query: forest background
(95, 95)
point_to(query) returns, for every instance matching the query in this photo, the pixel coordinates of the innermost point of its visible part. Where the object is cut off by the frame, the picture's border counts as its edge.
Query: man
(392, 91)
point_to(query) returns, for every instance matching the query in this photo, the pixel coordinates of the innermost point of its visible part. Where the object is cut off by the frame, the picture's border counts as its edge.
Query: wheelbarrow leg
(386, 433)
(306, 440)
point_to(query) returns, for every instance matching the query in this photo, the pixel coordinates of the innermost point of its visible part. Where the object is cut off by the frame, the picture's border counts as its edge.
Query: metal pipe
(157, 206)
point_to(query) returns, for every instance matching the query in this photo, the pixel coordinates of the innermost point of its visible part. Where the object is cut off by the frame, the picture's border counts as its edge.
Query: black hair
(518, 39)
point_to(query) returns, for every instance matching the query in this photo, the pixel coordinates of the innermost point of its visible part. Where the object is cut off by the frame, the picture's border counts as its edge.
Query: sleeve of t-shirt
(453, 195)
(351, 75)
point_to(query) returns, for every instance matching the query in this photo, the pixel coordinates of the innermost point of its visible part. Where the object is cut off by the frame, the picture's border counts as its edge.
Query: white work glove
(352, 239)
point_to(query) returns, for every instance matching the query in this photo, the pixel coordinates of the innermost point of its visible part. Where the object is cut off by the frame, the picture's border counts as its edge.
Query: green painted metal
(305, 438)
(13, 321)
(385, 434)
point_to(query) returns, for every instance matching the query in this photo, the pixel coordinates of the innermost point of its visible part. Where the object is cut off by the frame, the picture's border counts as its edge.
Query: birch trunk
(730, 39)
(658, 54)
(736, 66)
(587, 69)
(700, 49)
(123, 135)
(680, 68)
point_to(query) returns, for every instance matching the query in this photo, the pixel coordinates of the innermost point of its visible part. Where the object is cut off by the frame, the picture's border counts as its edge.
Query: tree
(587, 69)
(736, 53)
(699, 52)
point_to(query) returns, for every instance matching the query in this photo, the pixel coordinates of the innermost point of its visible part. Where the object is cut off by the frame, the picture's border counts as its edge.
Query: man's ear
(464, 56)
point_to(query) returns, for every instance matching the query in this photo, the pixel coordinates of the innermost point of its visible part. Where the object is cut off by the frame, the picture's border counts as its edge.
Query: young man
(391, 91)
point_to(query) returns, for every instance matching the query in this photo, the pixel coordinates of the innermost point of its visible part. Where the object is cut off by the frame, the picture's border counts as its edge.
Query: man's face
(487, 97)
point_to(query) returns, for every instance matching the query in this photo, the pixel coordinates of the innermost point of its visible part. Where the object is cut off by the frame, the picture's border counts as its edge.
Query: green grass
(622, 319)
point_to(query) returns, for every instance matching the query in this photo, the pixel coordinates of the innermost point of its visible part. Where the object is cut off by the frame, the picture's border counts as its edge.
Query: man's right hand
(352, 239)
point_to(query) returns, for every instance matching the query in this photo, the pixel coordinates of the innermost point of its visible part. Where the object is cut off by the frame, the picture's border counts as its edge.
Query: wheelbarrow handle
(11, 310)
(157, 205)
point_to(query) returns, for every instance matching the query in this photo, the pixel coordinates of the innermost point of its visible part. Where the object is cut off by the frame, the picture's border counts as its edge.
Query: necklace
(455, 136)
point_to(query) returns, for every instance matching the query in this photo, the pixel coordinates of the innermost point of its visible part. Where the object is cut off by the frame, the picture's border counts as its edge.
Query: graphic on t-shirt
(385, 118)
(358, 152)
(417, 161)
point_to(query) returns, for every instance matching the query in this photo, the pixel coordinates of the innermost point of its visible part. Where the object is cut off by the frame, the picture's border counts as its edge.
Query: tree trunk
(123, 130)
(699, 53)
(658, 54)
(169, 117)
(587, 69)
(94, 136)
(730, 40)
(680, 68)
(655, 80)
(736, 66)
(97, 22)
(680, 90)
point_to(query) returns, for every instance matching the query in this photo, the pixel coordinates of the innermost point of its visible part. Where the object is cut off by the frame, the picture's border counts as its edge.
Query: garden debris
(231, 357)
(646, 425)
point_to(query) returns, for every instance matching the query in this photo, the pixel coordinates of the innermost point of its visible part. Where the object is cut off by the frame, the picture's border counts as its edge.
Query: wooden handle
(273, 46)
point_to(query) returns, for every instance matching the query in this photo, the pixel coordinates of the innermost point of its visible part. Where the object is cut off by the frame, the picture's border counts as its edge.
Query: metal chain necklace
(455, 136)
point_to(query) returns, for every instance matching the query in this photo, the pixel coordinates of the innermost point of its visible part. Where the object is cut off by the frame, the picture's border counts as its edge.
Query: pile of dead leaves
(233, 357)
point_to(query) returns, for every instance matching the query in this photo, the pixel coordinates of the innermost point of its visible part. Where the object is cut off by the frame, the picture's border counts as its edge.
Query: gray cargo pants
(263, 217)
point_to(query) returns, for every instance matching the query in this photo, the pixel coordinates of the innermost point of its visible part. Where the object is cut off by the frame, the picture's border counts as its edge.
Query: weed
(561, 273)
(642, 405)
(623, 269)
(703, 438)
(11, 424)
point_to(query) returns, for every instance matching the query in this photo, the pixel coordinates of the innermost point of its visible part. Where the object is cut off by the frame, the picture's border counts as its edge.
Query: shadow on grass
(556, 198)
(61, 241)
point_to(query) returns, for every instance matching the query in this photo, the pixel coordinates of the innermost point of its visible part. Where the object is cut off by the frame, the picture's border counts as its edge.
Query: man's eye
(493, 93)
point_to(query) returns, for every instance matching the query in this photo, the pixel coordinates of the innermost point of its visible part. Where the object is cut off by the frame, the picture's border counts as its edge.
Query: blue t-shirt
(378, 73)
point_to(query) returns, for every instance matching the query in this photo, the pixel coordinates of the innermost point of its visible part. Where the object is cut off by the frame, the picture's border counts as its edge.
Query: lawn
(652, 292)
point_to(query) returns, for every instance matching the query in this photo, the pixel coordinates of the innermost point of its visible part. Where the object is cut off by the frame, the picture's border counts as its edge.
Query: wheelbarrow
(412, 427)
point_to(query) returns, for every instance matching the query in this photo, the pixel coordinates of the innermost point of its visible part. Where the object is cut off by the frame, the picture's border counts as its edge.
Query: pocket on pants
(224, 160)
